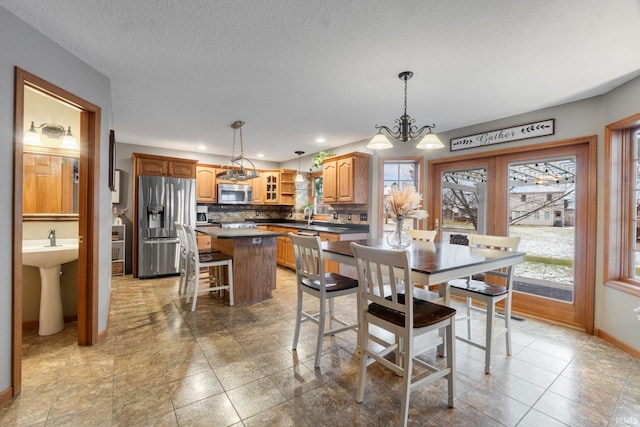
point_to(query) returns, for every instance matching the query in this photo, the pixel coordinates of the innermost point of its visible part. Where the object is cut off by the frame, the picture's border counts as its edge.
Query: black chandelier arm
(395, 134)
(414, 132)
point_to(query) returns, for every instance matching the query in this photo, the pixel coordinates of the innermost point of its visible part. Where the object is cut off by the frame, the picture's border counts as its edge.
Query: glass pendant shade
(299, 177)
(379, 142)
(32, 137)
(69, 141)
(430, 142)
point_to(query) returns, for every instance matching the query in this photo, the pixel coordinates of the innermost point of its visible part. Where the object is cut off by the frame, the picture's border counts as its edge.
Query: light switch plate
(335, 215)
(363, 217)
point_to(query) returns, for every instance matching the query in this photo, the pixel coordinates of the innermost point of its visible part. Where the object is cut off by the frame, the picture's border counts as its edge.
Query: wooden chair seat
(425, 313)
(478, 287)
(333, 282)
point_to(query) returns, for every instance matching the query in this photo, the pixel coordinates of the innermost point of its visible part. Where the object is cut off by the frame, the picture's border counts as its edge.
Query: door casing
(88, 224)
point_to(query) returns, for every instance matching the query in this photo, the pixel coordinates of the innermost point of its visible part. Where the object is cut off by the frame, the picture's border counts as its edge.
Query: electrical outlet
(363, 217)
(349, 217)
(335, 215)
(290, 214)
(257, 213)
(637, 311)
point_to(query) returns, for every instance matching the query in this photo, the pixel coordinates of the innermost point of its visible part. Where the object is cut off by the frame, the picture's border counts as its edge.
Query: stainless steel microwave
(235, 194)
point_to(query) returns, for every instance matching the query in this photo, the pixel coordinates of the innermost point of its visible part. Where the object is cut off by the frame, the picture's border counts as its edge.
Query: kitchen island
(254, 260)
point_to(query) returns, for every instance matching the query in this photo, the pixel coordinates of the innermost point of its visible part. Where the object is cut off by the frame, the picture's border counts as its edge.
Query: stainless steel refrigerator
(161, 202)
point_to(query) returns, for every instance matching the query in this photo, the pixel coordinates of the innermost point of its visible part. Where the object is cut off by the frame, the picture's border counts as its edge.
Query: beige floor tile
(163, 365)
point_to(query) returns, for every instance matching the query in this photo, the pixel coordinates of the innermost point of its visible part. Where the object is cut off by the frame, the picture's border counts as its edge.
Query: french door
(546, 196)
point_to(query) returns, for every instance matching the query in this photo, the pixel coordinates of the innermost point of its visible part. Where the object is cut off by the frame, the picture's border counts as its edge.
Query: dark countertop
(236, 233)
(324, 227)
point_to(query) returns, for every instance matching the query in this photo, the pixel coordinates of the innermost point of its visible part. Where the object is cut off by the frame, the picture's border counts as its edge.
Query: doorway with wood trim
(87, 217)
(546, 195)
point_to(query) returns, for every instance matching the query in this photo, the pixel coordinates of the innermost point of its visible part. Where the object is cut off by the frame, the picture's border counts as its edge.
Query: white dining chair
(495, 287)
(200, 262)
(422, 235)
(183, 252)
(383, 302)
(312, 280)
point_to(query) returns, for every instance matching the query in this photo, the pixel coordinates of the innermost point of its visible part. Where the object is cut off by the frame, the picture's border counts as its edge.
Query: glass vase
(398, 239)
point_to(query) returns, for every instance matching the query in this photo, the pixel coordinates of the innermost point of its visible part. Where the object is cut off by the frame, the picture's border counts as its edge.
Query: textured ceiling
(182, 71)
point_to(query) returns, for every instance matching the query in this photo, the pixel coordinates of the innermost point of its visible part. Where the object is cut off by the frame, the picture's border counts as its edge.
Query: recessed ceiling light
(202, 147)
(320, 139)
(260, 155)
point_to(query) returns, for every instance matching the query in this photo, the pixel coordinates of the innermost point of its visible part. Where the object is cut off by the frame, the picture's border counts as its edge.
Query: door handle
(436, 224)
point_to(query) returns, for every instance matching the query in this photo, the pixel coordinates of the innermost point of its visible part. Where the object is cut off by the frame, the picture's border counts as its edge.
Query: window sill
(624, 286)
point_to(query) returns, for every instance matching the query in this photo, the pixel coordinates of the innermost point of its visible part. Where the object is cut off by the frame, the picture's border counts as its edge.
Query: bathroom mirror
(50, 184)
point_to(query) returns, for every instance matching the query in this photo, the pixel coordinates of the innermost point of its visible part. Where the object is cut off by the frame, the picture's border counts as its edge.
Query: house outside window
(399, 172)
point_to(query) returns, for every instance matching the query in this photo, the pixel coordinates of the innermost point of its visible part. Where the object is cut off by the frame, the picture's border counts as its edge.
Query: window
(536, 214)
(398, 172)
(523, 198)
(622, 205)
(547, 215)
(549, 197)
(319, 209)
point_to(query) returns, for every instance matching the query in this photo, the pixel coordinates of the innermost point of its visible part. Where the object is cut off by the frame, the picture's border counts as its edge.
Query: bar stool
(198, 261)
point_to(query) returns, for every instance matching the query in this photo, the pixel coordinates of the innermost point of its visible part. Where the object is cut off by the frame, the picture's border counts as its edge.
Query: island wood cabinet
(345, 179)
(206, 184)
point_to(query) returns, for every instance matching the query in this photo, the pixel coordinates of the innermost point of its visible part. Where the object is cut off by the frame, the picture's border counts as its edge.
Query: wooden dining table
(434, 263)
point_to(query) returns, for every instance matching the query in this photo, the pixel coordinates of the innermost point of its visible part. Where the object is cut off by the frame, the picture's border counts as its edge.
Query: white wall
(613, 309)
(27, 48)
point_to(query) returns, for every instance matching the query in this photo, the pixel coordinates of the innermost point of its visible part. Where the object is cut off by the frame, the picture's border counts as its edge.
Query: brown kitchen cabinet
(275, 187)
(147, 164)
(345, 179)
(206, 184)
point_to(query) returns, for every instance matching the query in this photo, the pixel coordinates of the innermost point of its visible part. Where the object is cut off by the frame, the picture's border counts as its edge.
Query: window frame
(420, 186)
(619, 199)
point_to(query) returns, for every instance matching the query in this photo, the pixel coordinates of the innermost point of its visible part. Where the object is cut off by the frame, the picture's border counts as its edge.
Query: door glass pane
(635, 206)
(547, 186)
(463, 203)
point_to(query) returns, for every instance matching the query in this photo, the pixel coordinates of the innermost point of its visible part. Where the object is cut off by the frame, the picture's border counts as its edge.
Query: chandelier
(405, 130)
(236, 170)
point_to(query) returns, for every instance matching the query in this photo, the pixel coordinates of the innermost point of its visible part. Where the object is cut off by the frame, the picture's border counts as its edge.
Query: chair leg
(507, 322)
(321, 324)
(230, 276)
(491, 312)
(451, 360)
(363, 333)
(296, 334)
(469, 302)
(332, 314)
(406, 380)
(196, 287)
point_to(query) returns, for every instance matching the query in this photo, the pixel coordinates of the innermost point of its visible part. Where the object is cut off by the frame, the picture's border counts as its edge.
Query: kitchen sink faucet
(52, 237)
(308, 214)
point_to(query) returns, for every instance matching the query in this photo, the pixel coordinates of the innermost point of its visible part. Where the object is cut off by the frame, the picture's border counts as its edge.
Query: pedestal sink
(49, 259)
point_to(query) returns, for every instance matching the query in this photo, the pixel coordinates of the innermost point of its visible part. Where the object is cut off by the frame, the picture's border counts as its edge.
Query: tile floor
(162, 365)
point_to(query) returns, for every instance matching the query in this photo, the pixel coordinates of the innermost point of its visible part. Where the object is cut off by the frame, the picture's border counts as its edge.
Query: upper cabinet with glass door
(50, 159)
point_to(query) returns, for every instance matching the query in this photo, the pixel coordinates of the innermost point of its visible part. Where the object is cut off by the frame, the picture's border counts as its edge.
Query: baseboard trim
(6, 394)
(613, 340)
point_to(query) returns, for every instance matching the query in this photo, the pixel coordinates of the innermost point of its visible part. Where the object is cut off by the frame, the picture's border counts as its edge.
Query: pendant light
(299, 177)
(405, 130)
(236, 170)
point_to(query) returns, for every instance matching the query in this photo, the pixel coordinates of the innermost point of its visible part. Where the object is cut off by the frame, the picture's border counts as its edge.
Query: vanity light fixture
(299, 177)
(405, 130)
(236, 170)
(31, 137)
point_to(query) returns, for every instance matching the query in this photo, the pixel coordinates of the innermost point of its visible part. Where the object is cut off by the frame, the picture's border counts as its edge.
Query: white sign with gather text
(531, 130)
